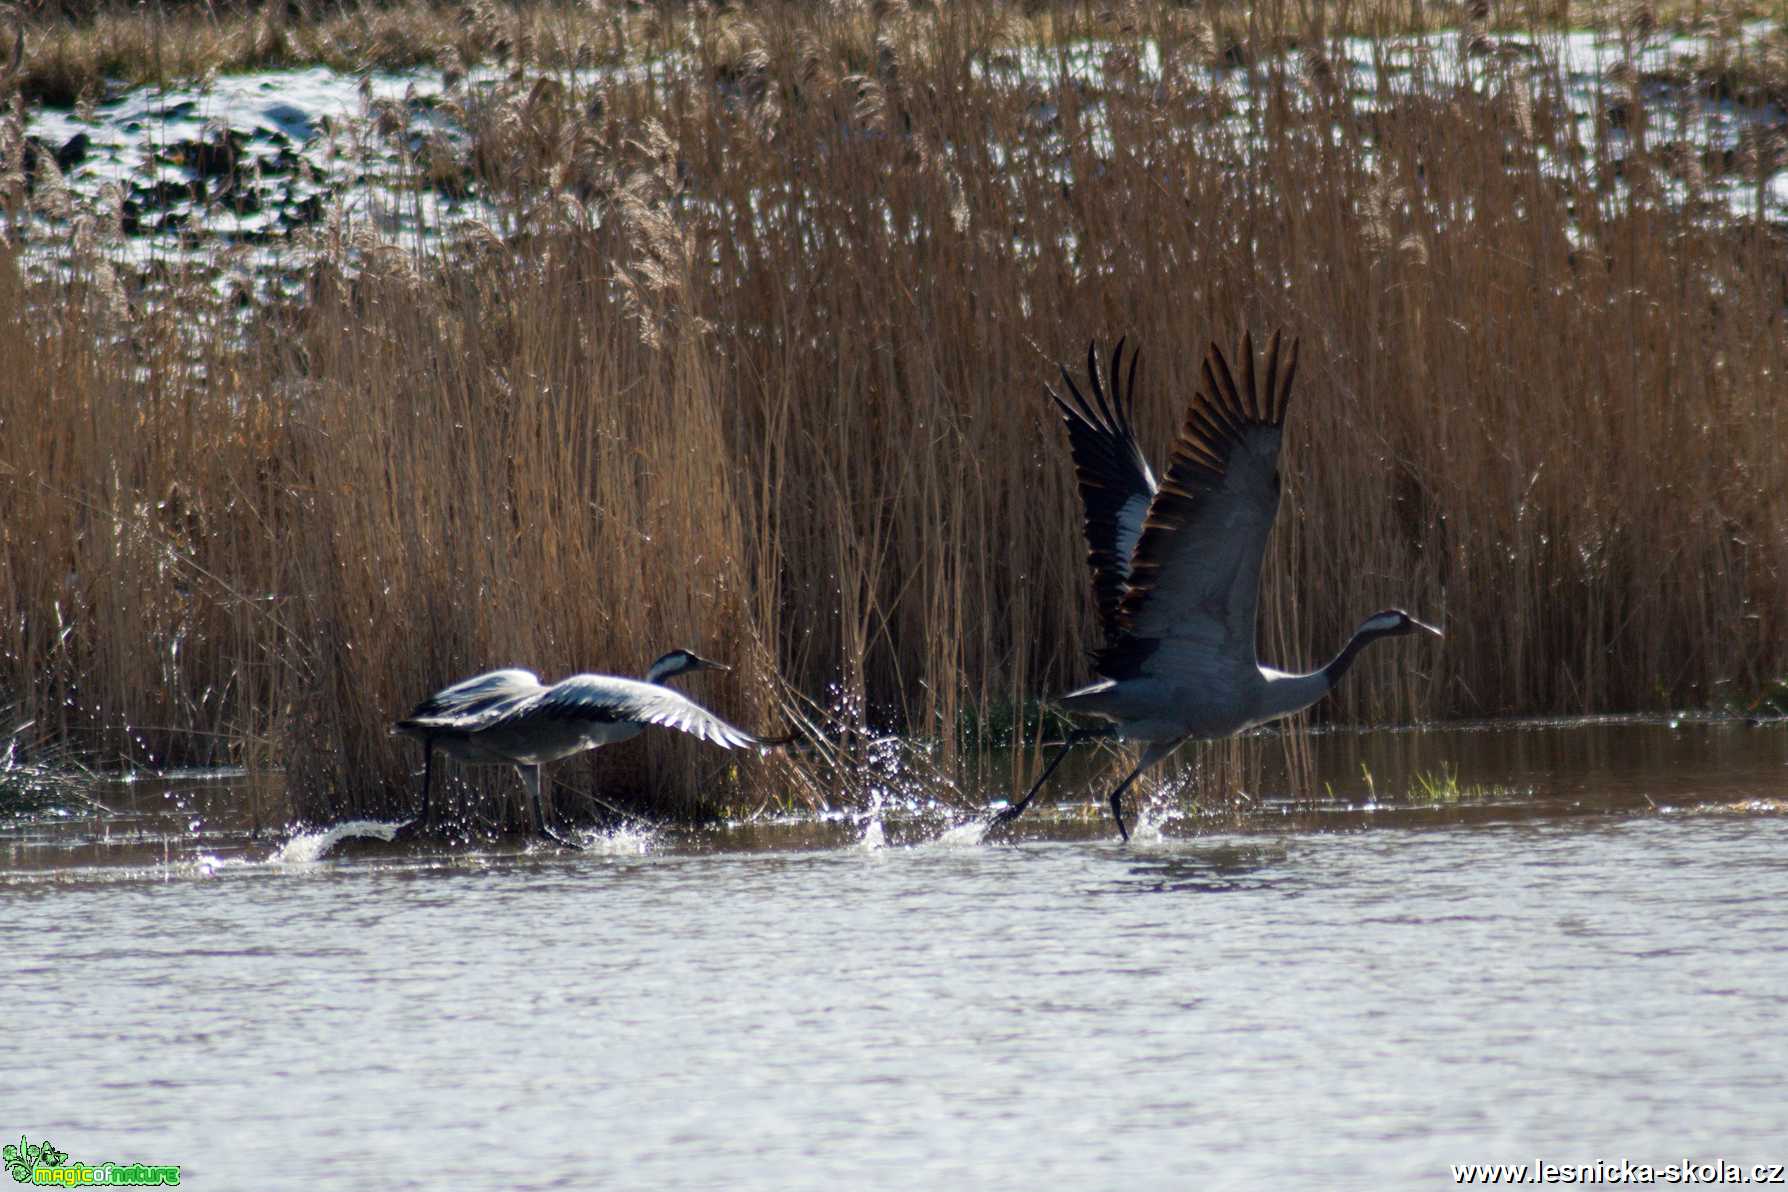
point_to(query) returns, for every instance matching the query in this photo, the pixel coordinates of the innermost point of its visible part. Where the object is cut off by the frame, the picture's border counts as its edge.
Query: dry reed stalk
(767, 382)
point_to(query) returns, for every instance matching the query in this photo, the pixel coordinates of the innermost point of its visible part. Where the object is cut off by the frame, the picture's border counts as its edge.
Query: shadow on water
(1409, 779)
(1208, 869)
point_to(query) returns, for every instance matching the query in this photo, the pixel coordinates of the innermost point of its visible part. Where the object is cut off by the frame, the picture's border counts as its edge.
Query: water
(1588, 962)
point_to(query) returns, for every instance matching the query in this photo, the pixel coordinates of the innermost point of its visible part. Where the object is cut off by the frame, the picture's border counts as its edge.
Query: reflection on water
(1583, 957)
(1213, 869)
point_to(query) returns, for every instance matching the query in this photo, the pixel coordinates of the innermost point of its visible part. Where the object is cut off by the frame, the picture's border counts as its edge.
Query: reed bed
(82, 48)
(749, 357)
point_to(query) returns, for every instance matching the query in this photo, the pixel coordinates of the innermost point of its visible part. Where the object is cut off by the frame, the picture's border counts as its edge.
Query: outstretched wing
(1116, 485)
(473, 703)
(1195, 576)
(606, 698)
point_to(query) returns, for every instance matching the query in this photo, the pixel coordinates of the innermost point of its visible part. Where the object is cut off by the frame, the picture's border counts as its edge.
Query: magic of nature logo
(42, 1164)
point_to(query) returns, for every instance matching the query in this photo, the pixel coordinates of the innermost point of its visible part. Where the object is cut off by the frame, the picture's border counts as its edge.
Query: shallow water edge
(195, 822)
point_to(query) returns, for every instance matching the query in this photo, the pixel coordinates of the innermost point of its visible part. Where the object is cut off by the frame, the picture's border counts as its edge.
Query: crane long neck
(1339, 664)
(1286, 694)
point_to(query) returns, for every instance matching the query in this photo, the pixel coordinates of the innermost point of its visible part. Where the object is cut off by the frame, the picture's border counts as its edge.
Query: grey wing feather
(1116, 486)
(1195, 575)
(607, 698)
(475, 702)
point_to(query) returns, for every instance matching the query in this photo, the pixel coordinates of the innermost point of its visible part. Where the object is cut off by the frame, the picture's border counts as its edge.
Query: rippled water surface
(1586, 959)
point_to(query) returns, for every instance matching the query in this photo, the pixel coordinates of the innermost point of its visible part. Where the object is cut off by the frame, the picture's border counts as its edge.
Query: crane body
(508, 717)
(1176, 564)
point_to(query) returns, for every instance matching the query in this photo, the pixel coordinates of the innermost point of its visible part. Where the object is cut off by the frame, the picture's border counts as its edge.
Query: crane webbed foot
(1001, 818)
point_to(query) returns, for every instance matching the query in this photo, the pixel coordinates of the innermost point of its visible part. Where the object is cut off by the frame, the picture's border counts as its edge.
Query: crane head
(1394, 622)
(680, 662)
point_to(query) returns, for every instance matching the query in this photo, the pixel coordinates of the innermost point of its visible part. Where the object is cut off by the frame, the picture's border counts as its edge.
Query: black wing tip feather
(1217, 418)
(1249, 402)
(1108, 462)
(1222, 410)
(738, 738)
(1106, 415)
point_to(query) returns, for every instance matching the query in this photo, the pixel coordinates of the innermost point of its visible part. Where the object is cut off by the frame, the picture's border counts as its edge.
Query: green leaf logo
(22, 1159)
(15, 1160)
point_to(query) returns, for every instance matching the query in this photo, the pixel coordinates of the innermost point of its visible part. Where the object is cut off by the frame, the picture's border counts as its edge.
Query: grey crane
(1176, 565)
(508, 717)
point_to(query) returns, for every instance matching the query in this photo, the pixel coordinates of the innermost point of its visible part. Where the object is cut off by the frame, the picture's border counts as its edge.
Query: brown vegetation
(752, 360)
(81, 48)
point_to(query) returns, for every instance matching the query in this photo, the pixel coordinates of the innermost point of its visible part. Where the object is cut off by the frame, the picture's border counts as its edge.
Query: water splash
(969, 835)
(888, 782)
(629, 840)
(307, 848)
(1162, 810)
(873, 838)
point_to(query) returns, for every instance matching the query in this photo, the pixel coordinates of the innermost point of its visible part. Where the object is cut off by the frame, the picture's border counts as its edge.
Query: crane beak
(709, 664)
(1425, 627)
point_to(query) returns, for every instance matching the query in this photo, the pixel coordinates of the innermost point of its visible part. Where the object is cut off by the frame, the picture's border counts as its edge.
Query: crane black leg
(1074, 738)
(1156, 751)
(428, 773)
(530, 776)
(419, 825)
(1117, 806)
